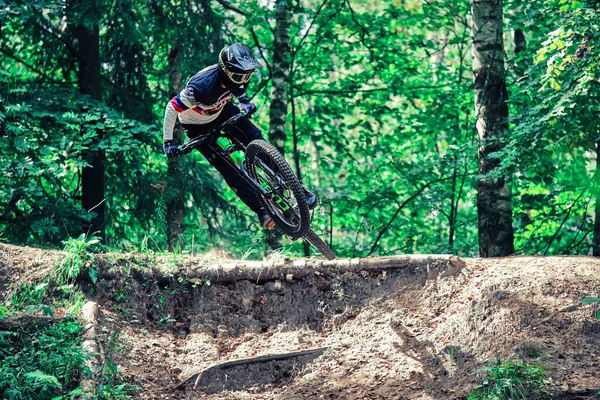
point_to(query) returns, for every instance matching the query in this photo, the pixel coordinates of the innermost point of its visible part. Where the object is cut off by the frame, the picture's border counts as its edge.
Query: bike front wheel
(283, 195)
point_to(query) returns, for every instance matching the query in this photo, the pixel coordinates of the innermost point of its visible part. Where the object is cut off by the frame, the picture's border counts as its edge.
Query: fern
(39, 380)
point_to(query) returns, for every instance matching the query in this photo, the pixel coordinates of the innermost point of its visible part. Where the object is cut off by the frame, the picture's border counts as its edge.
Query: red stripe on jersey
(176, 106)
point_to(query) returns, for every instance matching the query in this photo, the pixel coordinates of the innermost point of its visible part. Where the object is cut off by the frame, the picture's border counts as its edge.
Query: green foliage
(110, 382)
(41, 363)
(555, 131)
(511, 380)
(77, 260)
(591, 300)
(43, 156)
(380, 121)
(59, 285)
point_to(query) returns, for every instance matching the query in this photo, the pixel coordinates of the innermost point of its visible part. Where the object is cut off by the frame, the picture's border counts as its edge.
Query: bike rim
(280, 200)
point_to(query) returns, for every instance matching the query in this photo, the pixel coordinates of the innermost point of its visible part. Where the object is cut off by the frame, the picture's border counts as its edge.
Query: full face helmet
(236, 64)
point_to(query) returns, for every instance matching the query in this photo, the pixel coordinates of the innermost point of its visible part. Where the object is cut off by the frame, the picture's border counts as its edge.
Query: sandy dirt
(420, 342)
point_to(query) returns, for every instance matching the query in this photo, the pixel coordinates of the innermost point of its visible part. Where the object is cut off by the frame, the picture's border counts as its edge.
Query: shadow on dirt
(243, 306)
(393, 334)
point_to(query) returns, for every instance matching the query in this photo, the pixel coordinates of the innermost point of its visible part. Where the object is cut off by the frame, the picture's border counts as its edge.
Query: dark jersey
(199, 103)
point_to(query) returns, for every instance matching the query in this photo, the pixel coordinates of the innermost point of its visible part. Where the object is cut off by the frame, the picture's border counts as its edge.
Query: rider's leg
(311, 198)
(232, 176)
(239, 185)
(242, 188)
(245, 131)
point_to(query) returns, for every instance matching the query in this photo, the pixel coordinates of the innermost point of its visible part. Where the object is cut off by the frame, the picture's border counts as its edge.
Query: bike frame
(262, 187)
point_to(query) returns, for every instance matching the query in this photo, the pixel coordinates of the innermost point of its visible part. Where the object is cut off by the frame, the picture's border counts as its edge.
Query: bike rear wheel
(284, 198)
(311, 237)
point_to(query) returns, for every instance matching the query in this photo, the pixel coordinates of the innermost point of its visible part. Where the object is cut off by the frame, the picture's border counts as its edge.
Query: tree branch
(262, 85)
(25, 63)
(341, 91)
(232, 8)
(67, 44)
(260, 50)
(563, 221)
(363, 30)
(309, 28)
(573, 243)
(400, 207)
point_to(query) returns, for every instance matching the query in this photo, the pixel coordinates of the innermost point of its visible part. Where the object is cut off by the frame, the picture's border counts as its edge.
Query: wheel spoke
(283, 195)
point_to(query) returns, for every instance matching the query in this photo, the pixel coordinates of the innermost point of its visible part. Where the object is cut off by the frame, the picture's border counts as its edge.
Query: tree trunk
(175, 203)
(494, 205)
(279, 89)
(280, 74)
(92, 180)
(520, 47)
(596, 240)
(305, 243)
(520, 41)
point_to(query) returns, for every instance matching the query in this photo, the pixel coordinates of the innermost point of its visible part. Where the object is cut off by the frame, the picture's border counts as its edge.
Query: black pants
(243, 130)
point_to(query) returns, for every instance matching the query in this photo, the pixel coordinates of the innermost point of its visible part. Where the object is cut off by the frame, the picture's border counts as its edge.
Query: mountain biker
(205, 102)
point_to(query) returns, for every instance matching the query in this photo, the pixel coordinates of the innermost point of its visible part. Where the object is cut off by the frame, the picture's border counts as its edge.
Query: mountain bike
(264, 168)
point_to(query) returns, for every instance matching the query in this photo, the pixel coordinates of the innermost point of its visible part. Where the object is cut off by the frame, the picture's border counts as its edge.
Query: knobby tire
(319, 244)
(268, 151)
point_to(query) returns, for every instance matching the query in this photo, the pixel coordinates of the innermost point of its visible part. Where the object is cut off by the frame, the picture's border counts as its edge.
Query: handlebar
(195, 142)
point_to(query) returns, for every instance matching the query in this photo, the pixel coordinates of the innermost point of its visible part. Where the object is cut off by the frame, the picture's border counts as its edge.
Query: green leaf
(576, 4)
(47, 310)
(39, 379)
(589, 300)
(12, 394)
(93, 274)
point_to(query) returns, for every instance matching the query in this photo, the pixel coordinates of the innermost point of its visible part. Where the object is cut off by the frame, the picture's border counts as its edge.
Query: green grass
(511, 380)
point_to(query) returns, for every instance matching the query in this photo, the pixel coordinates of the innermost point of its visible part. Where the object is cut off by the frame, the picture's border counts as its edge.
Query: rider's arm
(178, 104)
(243, 98)
(169, 122)
(246, 106)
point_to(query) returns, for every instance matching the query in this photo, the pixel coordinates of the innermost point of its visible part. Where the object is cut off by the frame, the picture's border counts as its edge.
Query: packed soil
(385, 334)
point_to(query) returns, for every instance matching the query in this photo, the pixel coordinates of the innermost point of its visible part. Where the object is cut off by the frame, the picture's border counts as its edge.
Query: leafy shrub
(77, 260)
(31, 295)
(511, 380)
(591, 300)
(41, 363)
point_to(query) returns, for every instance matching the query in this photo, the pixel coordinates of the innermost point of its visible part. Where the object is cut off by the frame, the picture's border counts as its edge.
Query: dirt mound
(405, 328)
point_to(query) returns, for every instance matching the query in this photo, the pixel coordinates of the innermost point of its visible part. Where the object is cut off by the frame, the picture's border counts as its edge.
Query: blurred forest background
(382, 101)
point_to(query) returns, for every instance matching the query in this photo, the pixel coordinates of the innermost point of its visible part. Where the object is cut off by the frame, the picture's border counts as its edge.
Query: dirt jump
(402, 327)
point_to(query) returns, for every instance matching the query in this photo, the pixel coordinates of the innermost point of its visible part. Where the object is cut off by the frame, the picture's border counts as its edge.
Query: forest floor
(387, 334)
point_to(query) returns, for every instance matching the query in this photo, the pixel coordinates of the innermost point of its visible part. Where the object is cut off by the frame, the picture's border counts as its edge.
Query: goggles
(237, 77)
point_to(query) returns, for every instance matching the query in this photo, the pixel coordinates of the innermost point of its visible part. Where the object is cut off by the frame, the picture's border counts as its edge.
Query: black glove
(246, 106)
(171, 150)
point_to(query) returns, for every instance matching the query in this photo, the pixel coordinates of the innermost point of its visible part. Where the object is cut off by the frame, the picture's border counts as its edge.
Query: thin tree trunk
(520, 46)
(520, 41)
(297, 156)
(596, 240)
(175, 201)
(279, 89)
(2, 122)
(280, 74)
(494, 205)
(88, 45)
